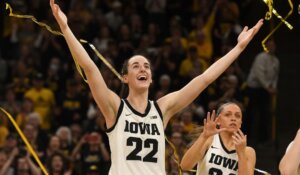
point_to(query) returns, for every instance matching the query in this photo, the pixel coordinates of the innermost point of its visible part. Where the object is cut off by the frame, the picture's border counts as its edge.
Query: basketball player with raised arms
(221, 148)
(136, 124)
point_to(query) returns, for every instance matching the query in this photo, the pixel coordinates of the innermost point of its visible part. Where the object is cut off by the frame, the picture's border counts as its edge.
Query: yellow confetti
(102, 59)
(283, 21)
(270, 6)
(280, 17)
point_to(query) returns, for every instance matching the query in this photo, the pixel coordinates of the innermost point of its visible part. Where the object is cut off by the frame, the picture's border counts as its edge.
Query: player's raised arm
(176, 101)
(197, 151)
(107, 100)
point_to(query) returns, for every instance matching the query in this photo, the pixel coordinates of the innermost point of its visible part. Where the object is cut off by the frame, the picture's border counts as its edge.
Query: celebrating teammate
(222, 147)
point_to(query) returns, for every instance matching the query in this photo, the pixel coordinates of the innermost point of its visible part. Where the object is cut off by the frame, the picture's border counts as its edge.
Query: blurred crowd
(41, 88)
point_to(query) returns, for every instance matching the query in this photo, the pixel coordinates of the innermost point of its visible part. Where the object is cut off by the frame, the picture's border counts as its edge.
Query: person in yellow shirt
(192, 65)
(3, 133)
(201, 34)
(43, 100)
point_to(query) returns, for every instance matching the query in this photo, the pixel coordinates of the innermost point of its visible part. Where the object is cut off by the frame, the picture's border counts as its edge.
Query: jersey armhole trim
(118, 116)
(158, 110)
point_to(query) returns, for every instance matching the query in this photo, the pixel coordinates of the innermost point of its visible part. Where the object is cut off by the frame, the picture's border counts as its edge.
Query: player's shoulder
(250, 151)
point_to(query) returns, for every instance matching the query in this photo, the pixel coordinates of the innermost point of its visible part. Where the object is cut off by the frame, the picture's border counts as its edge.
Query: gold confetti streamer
(270, 6)
(102, 59)
(79, 69)
(33, 19)
(283, 21)
(176, 159)
(29, 147)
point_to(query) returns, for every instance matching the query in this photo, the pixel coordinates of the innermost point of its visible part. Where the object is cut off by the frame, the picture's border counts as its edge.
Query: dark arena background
(42, 89)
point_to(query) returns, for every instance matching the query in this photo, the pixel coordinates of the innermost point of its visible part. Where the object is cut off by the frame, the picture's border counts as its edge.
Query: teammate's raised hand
(210, 125)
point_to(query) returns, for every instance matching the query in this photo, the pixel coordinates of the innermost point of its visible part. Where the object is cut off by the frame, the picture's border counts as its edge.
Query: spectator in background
(166, 63)
(192, 65)
(31, 133)
(187, 120)
(43, 100)
(25, 111)
(228, 27)
(76, 132)
(42, 138)
(125, 44)
(171, 155)
(93, 170)
(10, 103)
(71, 105)
(3, 131)
(144, 46)
(20, 79)
(262, 88)
(102, 39)
(137, 30)
(114, 17)
(153, 32)
(201, 33)
(164, 86)
(58, 164)
(6, 161)
(228, 89)
(25, 166)
(53, 147)
(92, 153)
(156, 11)
(11, 142)
(55, 75)
(65, 136)
(179, 143)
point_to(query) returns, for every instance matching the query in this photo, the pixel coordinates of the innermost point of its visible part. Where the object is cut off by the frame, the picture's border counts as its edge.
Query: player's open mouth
(142, 78)
(233, 125)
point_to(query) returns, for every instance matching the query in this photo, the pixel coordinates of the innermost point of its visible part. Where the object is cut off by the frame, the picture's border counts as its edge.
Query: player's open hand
(247, 34)
(210, 125)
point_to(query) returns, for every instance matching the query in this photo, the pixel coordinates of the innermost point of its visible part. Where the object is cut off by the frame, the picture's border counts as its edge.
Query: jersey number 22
(139, 145)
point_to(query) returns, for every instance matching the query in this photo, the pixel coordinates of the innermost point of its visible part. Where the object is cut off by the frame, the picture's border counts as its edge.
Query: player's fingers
(213, 115)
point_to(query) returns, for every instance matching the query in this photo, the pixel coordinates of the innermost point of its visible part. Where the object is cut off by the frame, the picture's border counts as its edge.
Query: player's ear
(125, 78)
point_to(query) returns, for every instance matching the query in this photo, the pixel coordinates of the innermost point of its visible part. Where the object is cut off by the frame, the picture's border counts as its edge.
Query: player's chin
(145, 85)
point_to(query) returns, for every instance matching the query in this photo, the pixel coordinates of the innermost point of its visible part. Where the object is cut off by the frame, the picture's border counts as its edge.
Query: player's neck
(138, 101)
(137, 96)
(227, 140)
